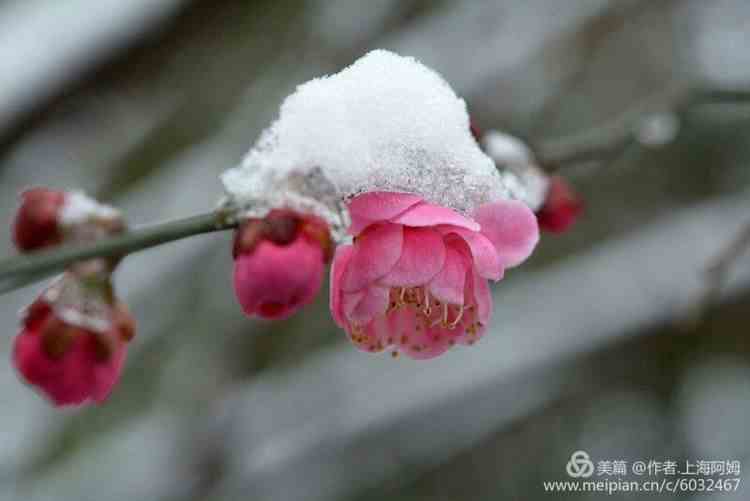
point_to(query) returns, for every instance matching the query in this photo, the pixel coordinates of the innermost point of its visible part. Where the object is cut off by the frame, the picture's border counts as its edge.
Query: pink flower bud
(561, 208)
(36, 224)
(278, 263)
(69, 364)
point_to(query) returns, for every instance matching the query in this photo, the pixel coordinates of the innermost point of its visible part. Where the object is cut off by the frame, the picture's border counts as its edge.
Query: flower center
(429, 311)
(434, 322)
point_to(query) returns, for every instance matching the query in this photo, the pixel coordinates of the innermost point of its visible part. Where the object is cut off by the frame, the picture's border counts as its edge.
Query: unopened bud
(37, 221)
(57, 337)
(561, 208)
(279, 262)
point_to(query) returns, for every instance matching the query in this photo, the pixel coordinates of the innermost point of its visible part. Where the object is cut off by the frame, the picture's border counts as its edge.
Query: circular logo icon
(580, 465)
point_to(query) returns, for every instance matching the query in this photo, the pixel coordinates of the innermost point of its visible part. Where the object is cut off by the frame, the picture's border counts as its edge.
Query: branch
(717, 273)
(21, 270)
(605, 144)
(594, 35)
(719, 96)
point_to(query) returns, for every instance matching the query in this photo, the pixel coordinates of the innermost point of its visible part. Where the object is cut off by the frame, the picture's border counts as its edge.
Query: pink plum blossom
(415, 278)
(70, 364)
(279, 263)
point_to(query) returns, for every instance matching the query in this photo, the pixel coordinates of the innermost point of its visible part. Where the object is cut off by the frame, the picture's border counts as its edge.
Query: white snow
(518, 166)
(385, 123)
(80, 208)
(504, 148)
(77, 304)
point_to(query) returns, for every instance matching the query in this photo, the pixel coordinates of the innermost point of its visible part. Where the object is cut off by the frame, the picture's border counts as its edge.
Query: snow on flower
(279, 263)
(382, 151)
(517, 165)
(47, 217)
(415, 278)
(79, 208)
(385, 123)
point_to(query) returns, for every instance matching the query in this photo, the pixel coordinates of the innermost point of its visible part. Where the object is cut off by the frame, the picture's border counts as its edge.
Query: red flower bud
(281, 227)
(68, 363)
(561, 208)
(36, 222)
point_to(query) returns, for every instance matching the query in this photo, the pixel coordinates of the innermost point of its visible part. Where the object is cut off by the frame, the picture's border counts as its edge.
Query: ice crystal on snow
(385, 123)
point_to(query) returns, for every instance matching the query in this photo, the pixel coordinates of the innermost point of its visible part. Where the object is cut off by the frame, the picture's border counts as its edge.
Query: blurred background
(599, 343)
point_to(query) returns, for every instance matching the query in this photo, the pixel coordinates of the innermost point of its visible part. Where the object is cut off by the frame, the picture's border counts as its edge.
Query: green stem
(38, 264)
(722, 96)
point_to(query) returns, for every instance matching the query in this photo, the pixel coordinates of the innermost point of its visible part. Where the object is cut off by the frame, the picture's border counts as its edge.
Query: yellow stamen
(454, 324)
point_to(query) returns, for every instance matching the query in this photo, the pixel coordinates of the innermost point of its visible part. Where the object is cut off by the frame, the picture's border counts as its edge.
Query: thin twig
(15, 271)
(596, 34)
(719, 96)
(601, 155)
(717, 273)
(604, 144)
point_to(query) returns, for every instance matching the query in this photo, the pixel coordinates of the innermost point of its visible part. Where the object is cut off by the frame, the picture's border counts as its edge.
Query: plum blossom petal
(480, 293)
(369, 208)
(374, 336)
(420, 344)
(105, 376)
(422, 257)
(448, 285)
(485, 256)
(349, 302)
(425, 214)
(340, 262)
(362, 306)
(511, 227)
(376, 251)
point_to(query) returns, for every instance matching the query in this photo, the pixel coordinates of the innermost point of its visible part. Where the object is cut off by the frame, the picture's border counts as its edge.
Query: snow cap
(385, 123)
